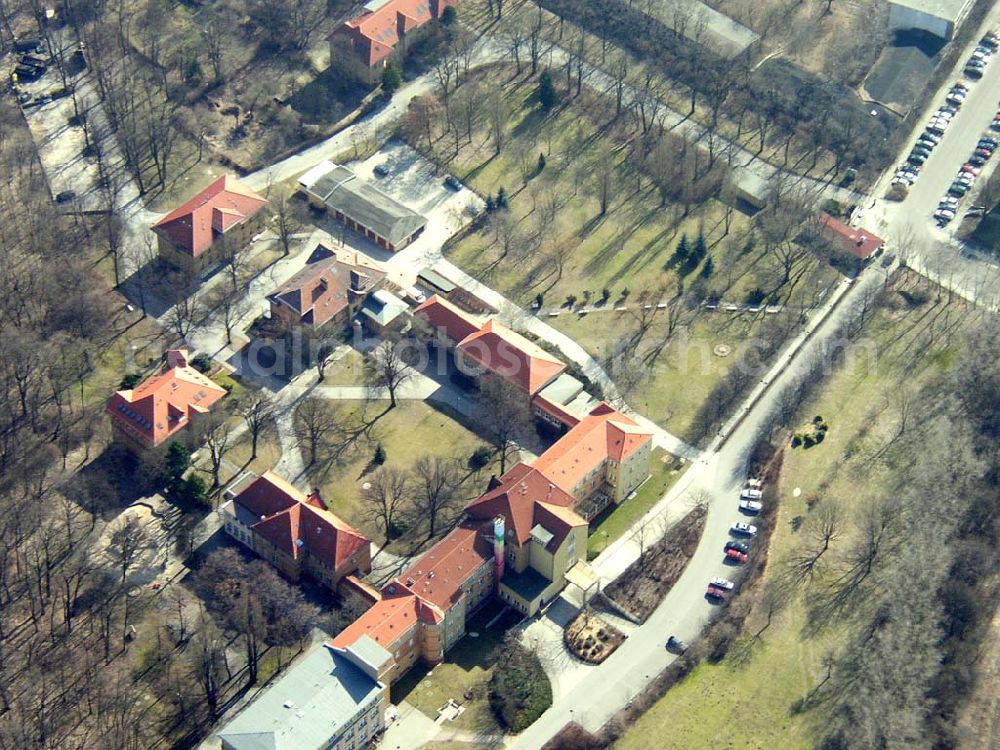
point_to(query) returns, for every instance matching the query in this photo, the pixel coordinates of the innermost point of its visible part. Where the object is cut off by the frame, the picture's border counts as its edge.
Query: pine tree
(700, 249)
(491, 205)
(502, 199)
(547, 95)
(682, 252)
(541, 162)
(708, 268)
(392, 79)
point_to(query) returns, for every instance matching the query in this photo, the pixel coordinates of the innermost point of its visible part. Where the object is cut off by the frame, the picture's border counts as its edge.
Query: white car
(754, 481)
(751, 494)
(723, 583)
(751, 506)
(743, 529)
(949, 200)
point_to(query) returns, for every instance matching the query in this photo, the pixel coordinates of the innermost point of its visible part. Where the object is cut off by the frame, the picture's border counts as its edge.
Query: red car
(715, 592)
(736, 556)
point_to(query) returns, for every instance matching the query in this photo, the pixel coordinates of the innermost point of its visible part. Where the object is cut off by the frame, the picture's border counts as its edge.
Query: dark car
(714, 592)
(957, 188)
(28, 73)
(66, 196)
(27, 45)
(381, 170)
(738, 546)
(676, 645)
(453, 183)
(977, 160)
(973, 72)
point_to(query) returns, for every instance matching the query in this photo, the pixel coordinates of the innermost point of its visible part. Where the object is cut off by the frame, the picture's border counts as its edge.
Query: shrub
(131, 380)
(392, 79)
(796, 441)
(819, 437)
(808, 441)
(480, 458)
(755, 296)
(519, 692)
(379, 458)
(817, 419)
(202, 363)
(449, 15)
(897, 193)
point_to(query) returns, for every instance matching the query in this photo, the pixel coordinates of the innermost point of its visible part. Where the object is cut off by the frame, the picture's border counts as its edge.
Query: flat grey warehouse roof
(952, 10)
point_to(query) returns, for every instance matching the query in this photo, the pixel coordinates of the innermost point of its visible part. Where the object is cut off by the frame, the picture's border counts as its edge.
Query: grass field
(610, 526)
(465, 671)
(747, 704)
(410, 431)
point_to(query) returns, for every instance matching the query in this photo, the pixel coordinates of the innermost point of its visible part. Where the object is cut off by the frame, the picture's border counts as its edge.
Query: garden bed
(642, 586)
(591, 639)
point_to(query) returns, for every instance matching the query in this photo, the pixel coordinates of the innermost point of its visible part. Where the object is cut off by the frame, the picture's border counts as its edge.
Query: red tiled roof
(602, 434)
(498, 349)
(441, 314)
(295, 522)
(439, 574)
(385, 621)
(521, 491)
(376, 32)
(324, 286)
(194, 226)
(163, 404)
(858, 242)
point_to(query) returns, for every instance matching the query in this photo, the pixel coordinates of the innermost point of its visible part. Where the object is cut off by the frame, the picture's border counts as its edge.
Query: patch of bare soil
(592, 639)
(642, 586)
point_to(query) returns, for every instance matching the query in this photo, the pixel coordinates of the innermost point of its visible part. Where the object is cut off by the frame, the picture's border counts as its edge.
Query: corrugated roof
(339, 189)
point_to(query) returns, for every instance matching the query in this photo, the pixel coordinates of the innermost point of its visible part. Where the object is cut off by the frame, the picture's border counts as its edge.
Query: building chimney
(494, 483)
(359, 281)
(177, 358)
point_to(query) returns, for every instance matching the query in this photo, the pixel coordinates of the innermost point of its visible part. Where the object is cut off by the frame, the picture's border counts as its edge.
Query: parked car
(949, 200)
(28, 73)
(738, 546)
(957, 188)
(751, 506)
(27, 45)
(983, 153)
(381, 170)
(453, 183)
(977, 160)
(737, 557)
(743, 529)
(676, 645)
(935, 139)
(973, 72)
(714, 592)
(751, 494)
(722, 583)
(971, 169)
(35, 62)
(989, 40)
(988, 142)
(66, 196)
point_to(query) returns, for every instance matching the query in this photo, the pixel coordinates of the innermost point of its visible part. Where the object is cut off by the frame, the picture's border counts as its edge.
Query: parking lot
(416, 183)
(49, 111)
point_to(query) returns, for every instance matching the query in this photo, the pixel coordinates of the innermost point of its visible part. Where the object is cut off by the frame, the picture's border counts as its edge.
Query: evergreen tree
(547, 95)
(449, 15)
(392, 79)
(490, 204)
(178, 460)
(700, 249)
(683, 252)
(541, 162)
(502, 199)
(708, 268)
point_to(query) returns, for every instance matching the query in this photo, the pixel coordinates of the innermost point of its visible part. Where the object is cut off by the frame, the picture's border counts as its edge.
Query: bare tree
(128, 540)
(386, 500)
(823, 528)
(503, 408)
(216, 434)
(257, 412)
(435, 482)
(498, 116)
(385, 368)
(314, 424)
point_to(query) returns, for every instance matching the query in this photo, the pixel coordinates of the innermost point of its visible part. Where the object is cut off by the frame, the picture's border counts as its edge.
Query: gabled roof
(438, 575)
(604, 433)
(522, 497)
(339, 189)
(194, 226)
(325, 286)
(442, 315)
(297, 523)
(380, 27)
(388, 619)
(858, 242)
(164, 404)
(499, 350)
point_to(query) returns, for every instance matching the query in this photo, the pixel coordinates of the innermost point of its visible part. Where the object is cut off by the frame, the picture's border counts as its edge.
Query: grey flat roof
(562, 390)
(529, 585)
(751, 183)
(433, 278)
(703, 24)
(367, 650)
(341, 190)
(952, 10)
(383, 307)
(307, 706)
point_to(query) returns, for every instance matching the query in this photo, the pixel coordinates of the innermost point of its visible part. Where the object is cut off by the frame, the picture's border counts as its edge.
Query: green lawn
(730, 705)
(412, 430)
(466, 670)
(609, 526)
